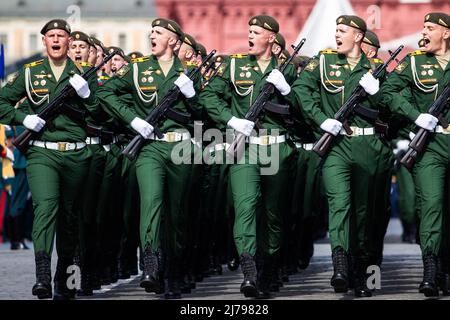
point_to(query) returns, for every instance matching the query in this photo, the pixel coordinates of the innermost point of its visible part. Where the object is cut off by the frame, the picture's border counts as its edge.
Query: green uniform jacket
(421, 73)
(234, 89)
(146, 83)
(329, 74)
(37, 82)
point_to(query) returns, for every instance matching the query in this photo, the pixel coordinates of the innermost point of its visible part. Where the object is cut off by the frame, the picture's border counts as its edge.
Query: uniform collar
(253, 62)
(69, 70)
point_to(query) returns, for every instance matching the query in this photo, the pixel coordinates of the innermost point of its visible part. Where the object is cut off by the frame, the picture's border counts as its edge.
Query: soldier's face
(100, 55)
(259, 40)
(347, 38)
(56, 43)
(276, 49)
(186, 53)
(435, 37)
(161, 39)
(369, 51)
(117, 62)
(79, 51)
(92, 55)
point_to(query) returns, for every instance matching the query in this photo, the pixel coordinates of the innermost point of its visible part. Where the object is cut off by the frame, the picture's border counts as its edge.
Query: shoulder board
(328, 51)
(34, 63)
(239, 55)
(123, 71)
(417, 53)
(191, 64)
(85, 64)
(103, 77)
(376, 60)
(141, 59)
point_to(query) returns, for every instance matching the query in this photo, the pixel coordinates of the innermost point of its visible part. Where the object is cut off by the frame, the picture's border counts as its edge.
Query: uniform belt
(60, 146)
(358, 132)
(441, 129)
(219, 147)
(93, 140)
(266, 140)
(305, 146)
(172, 136)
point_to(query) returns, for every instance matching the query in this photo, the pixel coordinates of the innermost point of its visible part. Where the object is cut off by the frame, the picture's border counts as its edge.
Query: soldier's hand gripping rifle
(56, 106)
(255, 112)
(322, 146)
(418, 143)
(160, 112)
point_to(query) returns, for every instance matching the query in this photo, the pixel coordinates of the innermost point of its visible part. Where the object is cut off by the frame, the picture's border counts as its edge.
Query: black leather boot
(429, 286)
(267, 278)
(173, 290)
(360, 280)
(248, 266)
(43, 287)
(61, 291)
(86, 280)
(149, 279)
(339, 280)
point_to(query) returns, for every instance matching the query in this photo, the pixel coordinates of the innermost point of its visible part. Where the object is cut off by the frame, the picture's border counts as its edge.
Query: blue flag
(2, 62)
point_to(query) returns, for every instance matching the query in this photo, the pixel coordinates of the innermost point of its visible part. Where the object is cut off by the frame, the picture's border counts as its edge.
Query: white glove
(277, 79)
(402, 145)
(80, 85)
(369, 83)
(331, 126)
(242, 125)
(144, 128)
(426, 121)
(33, 122)
(186, 85)
(9, 154)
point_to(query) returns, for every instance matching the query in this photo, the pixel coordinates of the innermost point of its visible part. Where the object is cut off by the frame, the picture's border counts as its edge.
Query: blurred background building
(218, 24)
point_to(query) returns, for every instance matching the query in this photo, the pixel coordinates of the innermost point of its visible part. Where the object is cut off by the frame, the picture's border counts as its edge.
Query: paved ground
(400, 276)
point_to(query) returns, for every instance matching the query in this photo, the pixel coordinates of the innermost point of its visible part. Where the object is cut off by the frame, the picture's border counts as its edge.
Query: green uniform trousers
(162, 188)
(349, 179)
(406, 196)
(55, 180)
(258, 201)
(89, 210)
(431, 178)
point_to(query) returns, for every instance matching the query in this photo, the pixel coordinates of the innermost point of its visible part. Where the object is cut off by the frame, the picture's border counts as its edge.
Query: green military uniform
(258, 199)
(422, 73)
(351, 163)
(239, 85)
(57, 161)
(162, 183)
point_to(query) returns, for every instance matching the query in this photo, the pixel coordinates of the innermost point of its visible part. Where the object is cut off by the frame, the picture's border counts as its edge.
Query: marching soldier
(426, 72)
(347, 170)
(227, 98)
(382, 172)
(56, 161)
(148, 81)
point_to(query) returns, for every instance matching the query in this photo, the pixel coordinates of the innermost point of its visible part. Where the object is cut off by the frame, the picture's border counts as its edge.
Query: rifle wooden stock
(50, 111)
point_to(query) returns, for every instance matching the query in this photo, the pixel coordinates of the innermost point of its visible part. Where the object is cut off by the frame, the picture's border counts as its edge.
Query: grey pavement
(400, 277)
